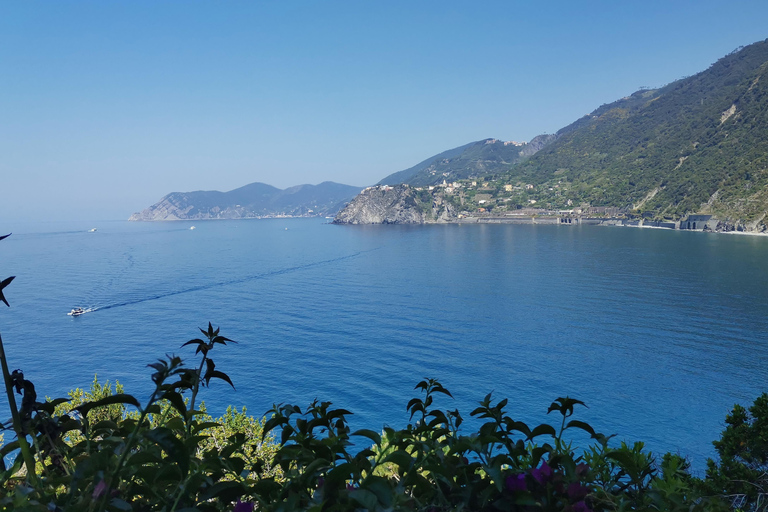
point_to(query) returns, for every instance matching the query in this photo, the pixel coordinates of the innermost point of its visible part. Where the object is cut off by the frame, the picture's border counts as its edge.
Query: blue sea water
(659, 332)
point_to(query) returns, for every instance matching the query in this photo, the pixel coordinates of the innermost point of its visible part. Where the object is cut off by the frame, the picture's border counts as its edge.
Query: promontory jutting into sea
(691, 155)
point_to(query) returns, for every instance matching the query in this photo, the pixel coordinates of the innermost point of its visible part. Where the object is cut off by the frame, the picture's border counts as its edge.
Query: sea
(658, 332)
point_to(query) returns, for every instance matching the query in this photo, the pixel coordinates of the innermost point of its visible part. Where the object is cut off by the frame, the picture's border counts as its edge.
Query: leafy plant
(742, 450)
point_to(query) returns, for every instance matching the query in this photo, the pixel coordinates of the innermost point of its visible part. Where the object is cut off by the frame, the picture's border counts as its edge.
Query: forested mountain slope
(474, 160)
(699, 144)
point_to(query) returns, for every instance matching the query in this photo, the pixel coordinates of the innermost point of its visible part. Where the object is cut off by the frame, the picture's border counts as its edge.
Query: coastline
(709, 227)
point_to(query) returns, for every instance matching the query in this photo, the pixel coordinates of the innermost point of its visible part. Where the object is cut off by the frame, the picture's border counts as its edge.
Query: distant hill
(473, 160)
(699, 144)
(251, 201)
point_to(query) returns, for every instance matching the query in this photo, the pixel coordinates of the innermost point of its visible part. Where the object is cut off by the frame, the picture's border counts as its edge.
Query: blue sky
(106, 106)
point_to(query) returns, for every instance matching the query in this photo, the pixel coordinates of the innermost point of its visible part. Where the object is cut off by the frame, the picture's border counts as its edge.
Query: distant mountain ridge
(255, 200)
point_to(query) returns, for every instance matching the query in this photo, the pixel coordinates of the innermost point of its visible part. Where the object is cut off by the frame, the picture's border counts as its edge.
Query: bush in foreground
(92, 452)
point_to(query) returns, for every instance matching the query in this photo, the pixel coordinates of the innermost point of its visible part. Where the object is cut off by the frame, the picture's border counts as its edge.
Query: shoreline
(596, 221)
(558, 221)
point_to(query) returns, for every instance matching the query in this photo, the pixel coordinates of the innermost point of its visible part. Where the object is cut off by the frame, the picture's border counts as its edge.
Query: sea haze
(659, 332)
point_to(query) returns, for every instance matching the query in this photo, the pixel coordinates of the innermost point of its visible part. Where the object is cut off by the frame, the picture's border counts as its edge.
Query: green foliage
(742, 467)
(431, 465)
(477, 159)
(116, 454)
(104, 450)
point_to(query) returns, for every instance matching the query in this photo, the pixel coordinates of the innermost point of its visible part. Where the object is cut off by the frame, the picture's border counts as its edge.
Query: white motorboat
(76, 312)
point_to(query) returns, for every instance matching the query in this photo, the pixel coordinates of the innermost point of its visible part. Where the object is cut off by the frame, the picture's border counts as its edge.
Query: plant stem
(194, 395)
(115, 479)
(26, 453)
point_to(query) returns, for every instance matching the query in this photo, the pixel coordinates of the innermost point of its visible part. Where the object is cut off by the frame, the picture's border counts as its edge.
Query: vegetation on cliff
(699, 144)
(474, 160)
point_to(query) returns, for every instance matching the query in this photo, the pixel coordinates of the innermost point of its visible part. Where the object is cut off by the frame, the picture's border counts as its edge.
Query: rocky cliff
(401, 204)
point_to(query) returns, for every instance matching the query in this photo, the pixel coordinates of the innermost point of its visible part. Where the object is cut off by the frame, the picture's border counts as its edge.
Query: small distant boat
(193, 227)
(92, 230)
(76, 312)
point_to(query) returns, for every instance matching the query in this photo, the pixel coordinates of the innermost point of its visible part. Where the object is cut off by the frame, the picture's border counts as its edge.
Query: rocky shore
(402, 204)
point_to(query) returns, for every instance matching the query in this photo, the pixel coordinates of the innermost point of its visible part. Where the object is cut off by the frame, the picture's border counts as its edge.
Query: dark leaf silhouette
(3, 284)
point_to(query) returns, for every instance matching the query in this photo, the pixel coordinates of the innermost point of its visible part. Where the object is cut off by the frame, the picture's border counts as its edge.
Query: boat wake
(265, 275)
(80, 311)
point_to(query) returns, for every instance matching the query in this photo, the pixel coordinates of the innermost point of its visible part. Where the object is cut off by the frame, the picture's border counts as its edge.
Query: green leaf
(216, 374)
(542, 430)
(271, 423)
(338, 413)
(564, 406)
(364, 497)
(172, 445)
(143, 457)
(399, 457)
(196, 341)
(49, 405)
(108, 400)
(104, 425)
(581, 425)
(204, 425)
(370, 434)
(3, 284)
(440, 389)
(226, 491)
(8, 448)
(266, 487)
(177, 401)
(381, 488)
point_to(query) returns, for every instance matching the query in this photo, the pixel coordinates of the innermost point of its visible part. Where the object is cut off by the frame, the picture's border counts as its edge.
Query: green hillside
(473, 160)
(699, 144)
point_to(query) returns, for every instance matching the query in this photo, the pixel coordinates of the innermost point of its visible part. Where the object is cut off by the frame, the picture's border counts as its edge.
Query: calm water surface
(659, 332)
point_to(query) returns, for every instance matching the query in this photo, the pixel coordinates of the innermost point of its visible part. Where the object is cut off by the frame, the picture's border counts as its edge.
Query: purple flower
(542, 474)
(243, 506)
(577, 492)
(99, 490)
(516, 482)
(581, 507)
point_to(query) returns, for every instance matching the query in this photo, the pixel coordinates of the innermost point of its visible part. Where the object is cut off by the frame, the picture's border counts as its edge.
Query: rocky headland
(401, 204)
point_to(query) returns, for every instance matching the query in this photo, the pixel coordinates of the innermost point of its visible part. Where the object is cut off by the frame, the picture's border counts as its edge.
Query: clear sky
(106, 106)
